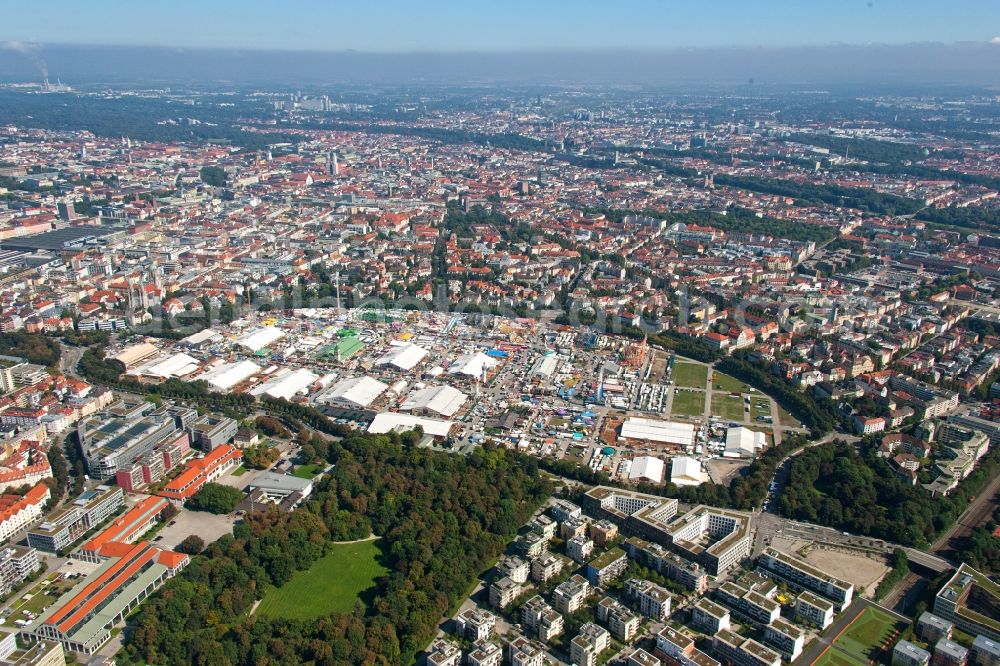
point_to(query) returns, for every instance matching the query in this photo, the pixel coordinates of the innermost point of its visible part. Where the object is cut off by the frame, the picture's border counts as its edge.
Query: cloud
(995, 40)
(29, 50)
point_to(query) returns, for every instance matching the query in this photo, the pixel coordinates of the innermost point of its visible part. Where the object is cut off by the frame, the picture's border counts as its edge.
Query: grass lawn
(689, 403)
(726, 407)
(723, 382)
(307, 471)
(332, 583)
(40, 598)
(690, 375)
(240, 471)
(866, 636)
(787, 419)
(834, 657)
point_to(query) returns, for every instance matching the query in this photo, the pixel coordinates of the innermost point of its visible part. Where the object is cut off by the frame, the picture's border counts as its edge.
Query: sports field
(332, 583)
(690, 375)
(688, 403)
(726, 407)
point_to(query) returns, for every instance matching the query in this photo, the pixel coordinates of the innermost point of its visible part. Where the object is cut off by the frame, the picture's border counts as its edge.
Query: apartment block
(515, 568)
(541, 619)
(443, 653)
(803, 576)
(504, 591)
(814, 609)
(475, 624)
(679, 649)
(984, 652)
(649, 598)
(709, 616)
(748, 603)
(730, 647)
(639, 657)
(579, 548)
(546, 566)
(654, 556)
(587, 645)
(620, 621)
(562, 510)
(525, 652)
(16, 564)
(949, 653)
(930, 628)
(907, 654)
(606, 567)
(569, 596)
(484, 653)
(785, 637)
(20, 511)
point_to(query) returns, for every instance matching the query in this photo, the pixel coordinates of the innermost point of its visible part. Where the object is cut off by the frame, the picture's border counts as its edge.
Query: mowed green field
(690, 375)
(726, 407)
(867, 635)
(724, 382)
(332, 583)
(834, 657)
(688, 403)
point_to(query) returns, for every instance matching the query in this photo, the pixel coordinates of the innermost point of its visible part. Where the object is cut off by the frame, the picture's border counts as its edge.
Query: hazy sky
(488, 25)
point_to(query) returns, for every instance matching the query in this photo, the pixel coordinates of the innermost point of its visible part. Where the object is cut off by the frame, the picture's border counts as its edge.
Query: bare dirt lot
(722, 470)
(864, 572)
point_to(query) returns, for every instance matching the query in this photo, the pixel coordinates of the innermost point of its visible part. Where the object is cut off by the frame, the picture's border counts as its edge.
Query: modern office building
(63, 527)
(803, 576)
(211, 431)
(123, 434)
(972, 602)
(82, 619)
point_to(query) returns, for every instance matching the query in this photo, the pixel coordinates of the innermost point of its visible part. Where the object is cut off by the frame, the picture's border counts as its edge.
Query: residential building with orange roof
(18, 512)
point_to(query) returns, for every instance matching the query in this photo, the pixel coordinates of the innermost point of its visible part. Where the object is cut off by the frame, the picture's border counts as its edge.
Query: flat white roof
(472, 365)
(360, 391)
(404, 357)
(647, 468)
(666, 432)
(389, 421)
(201, 336)
(176, 365)
(686, 471)
(744, 441)
(443, 400)
(228, 375)
(260, 338)
(286, 383)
